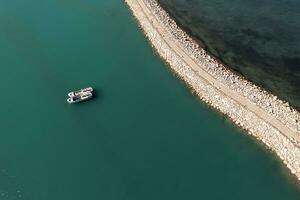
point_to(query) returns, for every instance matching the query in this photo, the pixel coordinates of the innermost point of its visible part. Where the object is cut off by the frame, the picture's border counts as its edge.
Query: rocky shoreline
(260, 113)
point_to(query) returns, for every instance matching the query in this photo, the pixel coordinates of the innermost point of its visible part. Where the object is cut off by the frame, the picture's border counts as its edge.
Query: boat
(80, 92)
(83, 96)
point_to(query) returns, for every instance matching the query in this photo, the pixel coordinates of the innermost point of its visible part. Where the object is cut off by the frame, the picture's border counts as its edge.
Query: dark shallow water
(144, 137)
(259, 39)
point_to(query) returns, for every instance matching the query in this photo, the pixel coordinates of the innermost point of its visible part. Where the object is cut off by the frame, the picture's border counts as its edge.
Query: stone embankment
(260, 113)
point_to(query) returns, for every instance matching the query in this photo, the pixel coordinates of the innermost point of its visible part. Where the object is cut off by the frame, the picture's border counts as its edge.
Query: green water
(144, 136)
(259, 39)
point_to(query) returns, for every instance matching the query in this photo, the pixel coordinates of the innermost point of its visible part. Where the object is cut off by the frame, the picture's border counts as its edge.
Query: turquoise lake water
(143, 137)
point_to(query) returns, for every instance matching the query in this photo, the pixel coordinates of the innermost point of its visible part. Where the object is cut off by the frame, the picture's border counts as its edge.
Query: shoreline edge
(258, 112)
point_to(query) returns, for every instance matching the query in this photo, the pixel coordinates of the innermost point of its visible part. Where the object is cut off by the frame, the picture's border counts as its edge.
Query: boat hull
(80, 95)
(71, 100)
(79, 92)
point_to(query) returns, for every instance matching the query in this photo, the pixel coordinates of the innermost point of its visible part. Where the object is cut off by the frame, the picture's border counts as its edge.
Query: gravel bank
(260, 113)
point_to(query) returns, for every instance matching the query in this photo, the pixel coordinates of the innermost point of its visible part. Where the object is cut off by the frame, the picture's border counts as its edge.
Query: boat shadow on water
(96, 94)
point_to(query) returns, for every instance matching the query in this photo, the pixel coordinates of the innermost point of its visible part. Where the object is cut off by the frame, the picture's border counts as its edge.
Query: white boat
(80, 92)
(79, 98)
